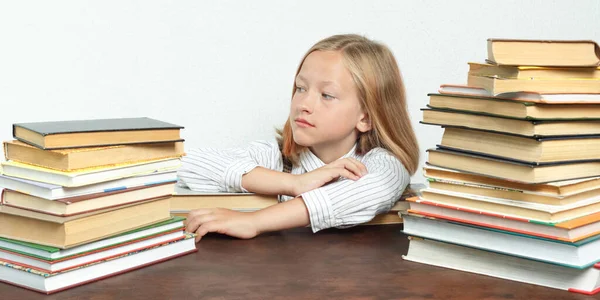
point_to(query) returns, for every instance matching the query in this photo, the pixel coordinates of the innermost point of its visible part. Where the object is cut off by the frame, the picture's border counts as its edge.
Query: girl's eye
(300, 89)
(327, 96)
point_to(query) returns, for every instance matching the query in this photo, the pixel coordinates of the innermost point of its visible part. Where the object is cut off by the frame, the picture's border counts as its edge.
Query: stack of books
(86, 200)
(513, 189)
(185, 200)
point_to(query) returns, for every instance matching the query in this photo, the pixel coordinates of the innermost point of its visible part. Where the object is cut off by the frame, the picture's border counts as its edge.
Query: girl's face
(326, 112)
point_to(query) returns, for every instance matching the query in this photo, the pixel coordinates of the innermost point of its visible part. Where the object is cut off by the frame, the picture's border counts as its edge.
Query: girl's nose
(307, 103)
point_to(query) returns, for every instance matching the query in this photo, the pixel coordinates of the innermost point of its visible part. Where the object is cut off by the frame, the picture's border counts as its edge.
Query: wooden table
(358, 263)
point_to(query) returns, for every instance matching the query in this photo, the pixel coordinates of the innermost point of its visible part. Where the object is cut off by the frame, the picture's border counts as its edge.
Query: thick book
(535, 150)
(510, 169)
(585, 281)
(55, 192)
(83, 230)
(533, 97)
(99, 132)
(528, 210)
(87, 204)
(529, 72)
(554, 53)
(185, 200)
(495, 191)
(516, 109)
(51, 283)
(66, 264)
(502, 124)
(82, 158)
(90, 175)
(558, 189)
(497, 86)
(572, 230)
(49, 253)
(581, 255)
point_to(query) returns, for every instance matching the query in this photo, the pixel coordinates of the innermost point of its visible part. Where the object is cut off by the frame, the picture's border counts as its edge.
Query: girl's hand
(233, 223)
(347, 167)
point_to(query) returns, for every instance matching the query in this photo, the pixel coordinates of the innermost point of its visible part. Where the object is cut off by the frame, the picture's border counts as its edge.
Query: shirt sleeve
(346, 202)
(221, 170)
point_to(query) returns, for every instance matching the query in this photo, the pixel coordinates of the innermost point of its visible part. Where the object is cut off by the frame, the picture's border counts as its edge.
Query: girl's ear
(364, 124)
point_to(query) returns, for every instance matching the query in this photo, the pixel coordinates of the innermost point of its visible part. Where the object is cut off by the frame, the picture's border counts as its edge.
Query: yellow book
(87, 176)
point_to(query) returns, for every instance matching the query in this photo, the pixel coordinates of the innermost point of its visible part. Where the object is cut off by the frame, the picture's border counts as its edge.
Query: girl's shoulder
(383, 157)
(264, 145)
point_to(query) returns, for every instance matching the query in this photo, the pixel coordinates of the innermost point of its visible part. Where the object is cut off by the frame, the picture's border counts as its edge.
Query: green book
(52, 253)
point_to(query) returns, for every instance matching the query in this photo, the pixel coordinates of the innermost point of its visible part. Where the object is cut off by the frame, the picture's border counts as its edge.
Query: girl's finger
(352, 167)
(204, 229)
(347, 174)
(196, 221)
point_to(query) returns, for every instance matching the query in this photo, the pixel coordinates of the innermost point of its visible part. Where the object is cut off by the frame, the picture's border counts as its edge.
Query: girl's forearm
(286, 215)
(268, 182)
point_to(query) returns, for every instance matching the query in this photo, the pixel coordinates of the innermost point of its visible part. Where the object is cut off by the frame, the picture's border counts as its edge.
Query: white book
(578, 255)
(561, 231)
(51, 283)
(550, 98)
(49, 266)
(585, 281)
(87, 176)
(55, 192)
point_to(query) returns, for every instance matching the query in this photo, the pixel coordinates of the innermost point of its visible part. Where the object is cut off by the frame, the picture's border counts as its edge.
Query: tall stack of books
(85, 200)
(513, 189)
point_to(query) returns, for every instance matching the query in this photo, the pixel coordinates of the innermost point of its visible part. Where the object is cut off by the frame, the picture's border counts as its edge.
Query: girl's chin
(302, 141)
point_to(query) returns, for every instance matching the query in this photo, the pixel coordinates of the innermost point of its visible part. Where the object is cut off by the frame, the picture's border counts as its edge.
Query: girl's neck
(328, 153)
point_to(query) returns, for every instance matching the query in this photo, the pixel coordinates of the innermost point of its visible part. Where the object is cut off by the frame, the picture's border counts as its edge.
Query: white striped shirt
(342, 203)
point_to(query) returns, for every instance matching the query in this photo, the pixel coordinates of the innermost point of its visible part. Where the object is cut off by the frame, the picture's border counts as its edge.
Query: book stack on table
(86, 200)
(514, 186)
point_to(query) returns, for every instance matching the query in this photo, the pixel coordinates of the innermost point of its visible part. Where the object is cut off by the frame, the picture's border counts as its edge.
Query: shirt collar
(309, 161)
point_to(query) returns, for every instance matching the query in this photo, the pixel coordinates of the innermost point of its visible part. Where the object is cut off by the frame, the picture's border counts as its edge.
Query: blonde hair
(381, 93)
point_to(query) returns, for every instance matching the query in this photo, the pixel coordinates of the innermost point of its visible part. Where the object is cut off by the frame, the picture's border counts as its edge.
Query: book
(585, 281)
(529, 72)
(99, 132)
(496, 85)
(580, 255)
(185, 200)
(510, 193)
(511, 108)
(533, 150)
(572, 230)
(558, 53)
(82, 158)
(50, 253)
(528, 210)
(56, 266)
(510, 125)
(54, 192)
(87, 176)
(554, 189)
(533, 97)
(512, 170)
(83, 230)
(73, 206)
(51, 283)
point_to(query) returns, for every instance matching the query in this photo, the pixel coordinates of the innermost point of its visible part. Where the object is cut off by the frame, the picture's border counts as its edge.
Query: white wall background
(223, 69)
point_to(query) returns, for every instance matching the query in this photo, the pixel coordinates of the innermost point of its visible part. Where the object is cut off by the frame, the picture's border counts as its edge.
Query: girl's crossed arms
(345, 154)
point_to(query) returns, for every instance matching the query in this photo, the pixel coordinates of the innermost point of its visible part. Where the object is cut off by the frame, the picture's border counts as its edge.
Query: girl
(344, 155)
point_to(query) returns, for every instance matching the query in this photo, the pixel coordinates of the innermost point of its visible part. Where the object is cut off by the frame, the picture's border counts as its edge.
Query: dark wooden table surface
(358, 263)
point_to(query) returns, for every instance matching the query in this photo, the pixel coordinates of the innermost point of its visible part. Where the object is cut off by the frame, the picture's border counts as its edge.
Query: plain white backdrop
(224, 69)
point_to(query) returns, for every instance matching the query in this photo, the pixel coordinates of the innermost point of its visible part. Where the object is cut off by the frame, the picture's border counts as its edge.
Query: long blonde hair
(381, 92)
